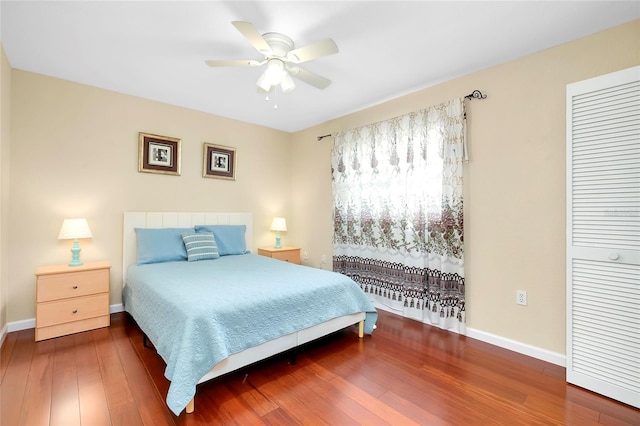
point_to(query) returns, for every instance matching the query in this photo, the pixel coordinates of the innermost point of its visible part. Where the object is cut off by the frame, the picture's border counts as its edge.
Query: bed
(215, 315)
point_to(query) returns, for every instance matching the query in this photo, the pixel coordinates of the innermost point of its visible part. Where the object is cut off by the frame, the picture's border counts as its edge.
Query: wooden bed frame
(248, 356)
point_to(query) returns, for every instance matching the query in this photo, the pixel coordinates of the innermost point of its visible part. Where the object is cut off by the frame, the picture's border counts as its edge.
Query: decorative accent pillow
(157, 245)
(229, 238)
(200, 246)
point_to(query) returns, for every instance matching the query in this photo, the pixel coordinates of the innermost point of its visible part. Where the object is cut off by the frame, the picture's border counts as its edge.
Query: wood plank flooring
(407, 373)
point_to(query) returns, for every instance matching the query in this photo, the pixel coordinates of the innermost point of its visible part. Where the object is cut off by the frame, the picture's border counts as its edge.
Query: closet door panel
(603, 235)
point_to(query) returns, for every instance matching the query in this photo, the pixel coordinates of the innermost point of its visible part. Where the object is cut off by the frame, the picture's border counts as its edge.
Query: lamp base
(278, 240)
(75, 254)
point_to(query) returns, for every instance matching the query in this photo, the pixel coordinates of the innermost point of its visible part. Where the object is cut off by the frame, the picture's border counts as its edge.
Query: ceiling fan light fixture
(275, 75)
(286, 83)
(263, 82)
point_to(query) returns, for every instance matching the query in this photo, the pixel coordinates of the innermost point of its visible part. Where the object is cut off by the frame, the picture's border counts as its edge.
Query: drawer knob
(75, 287)
(75, 311)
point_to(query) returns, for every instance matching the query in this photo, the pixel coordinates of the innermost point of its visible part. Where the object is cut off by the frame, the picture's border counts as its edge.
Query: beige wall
(74, 152)
(5, 120)
(515, 181)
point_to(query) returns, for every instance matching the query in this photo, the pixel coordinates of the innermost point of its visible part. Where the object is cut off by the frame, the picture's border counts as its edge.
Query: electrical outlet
(305, 255)
(324, 259)
(521, 297)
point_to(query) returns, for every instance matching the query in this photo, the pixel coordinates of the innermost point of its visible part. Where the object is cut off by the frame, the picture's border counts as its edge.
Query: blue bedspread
(199, 313)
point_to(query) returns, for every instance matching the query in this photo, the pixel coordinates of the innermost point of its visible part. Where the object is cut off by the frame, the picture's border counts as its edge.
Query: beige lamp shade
(74, 228)
(279, 224)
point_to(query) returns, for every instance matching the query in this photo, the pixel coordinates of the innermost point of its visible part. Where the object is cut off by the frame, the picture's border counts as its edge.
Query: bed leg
(361, 329)
(191, 405)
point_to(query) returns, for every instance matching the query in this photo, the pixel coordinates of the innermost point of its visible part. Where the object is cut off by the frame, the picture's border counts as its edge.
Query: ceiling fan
(281, 58)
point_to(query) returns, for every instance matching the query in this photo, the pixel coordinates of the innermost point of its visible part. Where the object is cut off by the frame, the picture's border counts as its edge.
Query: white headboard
(134, 220)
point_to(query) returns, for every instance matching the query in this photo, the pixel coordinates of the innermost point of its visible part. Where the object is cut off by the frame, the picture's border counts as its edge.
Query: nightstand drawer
(72, 327)
(292, 256)
(69, 310)
(72, 284)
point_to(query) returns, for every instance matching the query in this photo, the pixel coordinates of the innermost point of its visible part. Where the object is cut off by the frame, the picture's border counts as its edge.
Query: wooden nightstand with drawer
(288, 254)
(70, 299)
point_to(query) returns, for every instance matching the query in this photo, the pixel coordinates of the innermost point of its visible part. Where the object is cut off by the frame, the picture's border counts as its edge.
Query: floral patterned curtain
(398, 213)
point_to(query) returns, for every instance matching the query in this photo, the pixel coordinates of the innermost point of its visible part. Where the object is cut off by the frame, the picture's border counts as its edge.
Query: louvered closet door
(603, 235)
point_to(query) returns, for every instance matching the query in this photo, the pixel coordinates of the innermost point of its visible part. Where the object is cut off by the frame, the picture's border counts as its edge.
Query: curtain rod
(476, 94)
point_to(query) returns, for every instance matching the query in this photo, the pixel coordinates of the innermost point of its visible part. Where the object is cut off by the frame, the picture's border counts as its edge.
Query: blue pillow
(200, 246)
(157, 245)
(229, 238)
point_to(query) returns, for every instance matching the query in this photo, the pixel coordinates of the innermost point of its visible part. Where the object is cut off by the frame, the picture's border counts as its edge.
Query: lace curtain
(398, 213)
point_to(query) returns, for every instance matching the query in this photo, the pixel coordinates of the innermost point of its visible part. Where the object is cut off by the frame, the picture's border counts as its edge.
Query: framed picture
(219, 162)
(158, 154)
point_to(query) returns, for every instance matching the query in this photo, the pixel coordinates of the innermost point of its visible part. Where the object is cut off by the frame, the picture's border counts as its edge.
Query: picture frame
(158, 154)
(218, 161)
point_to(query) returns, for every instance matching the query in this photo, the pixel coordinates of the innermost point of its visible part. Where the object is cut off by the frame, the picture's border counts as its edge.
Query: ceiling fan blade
(312, 51)
(309, 77)
(253, 36)
(235, 63)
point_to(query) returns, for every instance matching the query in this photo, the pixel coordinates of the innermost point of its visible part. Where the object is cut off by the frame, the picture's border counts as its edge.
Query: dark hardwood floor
(407, 373)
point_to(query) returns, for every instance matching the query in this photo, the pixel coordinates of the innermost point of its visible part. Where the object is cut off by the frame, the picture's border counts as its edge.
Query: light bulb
(274, 72)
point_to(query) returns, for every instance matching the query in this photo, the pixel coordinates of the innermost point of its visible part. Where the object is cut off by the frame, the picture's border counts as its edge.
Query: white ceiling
(156, 49)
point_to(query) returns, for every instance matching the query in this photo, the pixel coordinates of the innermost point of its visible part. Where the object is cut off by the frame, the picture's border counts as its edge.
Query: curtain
(398, 213)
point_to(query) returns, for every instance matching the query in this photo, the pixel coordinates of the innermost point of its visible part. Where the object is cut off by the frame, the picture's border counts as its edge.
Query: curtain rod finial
(476, 94)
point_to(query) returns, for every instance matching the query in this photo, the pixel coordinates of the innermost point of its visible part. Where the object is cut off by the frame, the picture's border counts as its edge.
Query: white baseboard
(21, 325)
(503, 342)
(522, 348)
(31, 322)
(116, 308)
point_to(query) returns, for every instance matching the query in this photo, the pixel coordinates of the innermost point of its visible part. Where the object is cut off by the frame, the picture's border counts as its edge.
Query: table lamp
(73, 229)
(278, 224)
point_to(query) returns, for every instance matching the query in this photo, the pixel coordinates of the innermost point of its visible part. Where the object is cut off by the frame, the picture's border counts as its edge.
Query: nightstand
(70, 299)
(288, 254)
